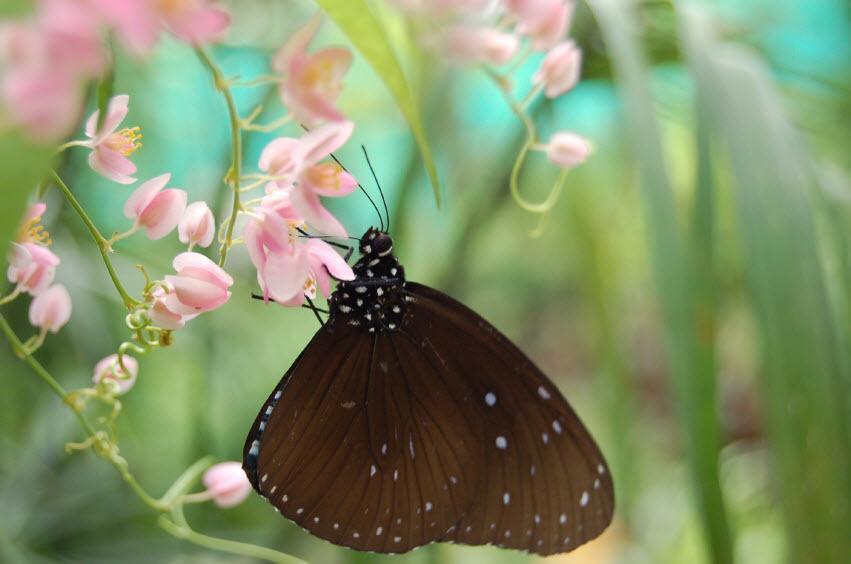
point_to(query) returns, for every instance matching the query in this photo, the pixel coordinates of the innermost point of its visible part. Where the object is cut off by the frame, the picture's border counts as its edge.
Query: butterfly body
(409, 419)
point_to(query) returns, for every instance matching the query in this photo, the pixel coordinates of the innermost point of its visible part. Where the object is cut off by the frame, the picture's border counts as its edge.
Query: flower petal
(115, 114)
(324, 140)
(199, 261)
(297, 44)
(111, 164)
(285, 274)
(163, 214)
(144, 194)
(308, 205)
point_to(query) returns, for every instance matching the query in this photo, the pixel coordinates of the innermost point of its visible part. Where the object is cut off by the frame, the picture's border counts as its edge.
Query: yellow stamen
(34, 232)
(126, 141)
(325, 175)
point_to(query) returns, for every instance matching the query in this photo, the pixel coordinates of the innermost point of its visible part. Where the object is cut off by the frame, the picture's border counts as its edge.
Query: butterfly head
(376, 242)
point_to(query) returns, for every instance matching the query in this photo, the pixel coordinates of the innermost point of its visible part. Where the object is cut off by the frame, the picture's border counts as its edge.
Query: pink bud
(155, 209)
(110, 370)
(545, 22)
(560, 70)
(32, 267)
(51, 309)
(567, 149)
(227, 483)
(471, 44)
(197, 225)
(200, 285)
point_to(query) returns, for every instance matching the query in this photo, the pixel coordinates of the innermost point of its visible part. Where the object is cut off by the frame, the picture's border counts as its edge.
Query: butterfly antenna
(380, 191)
(365, 193)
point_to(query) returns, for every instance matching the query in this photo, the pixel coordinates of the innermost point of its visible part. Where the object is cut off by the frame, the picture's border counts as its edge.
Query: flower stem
(11, 296)
(235, 172)
(531, 140)
(100, 240)
(178, 527)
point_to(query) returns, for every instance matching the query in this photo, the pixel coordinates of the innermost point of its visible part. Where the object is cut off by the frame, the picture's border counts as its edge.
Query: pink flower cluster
(290, 267)
(491, 32)
(46, 61)
(32, 267)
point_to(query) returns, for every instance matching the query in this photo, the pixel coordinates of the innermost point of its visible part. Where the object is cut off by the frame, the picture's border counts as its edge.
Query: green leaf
(805, 378)
(14, 8)
(356, 20)
(687, 306)
(22, 165)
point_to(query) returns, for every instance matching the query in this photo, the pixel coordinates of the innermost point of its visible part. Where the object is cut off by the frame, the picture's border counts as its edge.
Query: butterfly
(409, 419)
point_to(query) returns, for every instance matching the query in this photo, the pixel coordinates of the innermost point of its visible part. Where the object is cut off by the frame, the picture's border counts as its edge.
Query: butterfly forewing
(353, 451)
(545, 486)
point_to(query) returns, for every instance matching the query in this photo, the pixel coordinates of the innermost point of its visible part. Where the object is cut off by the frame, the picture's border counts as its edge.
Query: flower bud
(567, 149)
(108, 369)
(200, 285)
(227, 484)
(51, 309)
(559, 71)
(197, 225)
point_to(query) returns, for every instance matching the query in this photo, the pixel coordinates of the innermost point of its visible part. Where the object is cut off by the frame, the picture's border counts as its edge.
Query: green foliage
(364, 30)
(22, 165)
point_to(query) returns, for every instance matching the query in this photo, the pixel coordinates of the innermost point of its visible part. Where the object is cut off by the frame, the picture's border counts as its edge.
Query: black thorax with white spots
(374, 299)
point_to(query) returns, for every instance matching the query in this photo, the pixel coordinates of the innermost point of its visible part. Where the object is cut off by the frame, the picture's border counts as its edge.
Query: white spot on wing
(557, 427)
(397, 539)
(428, 506)
(532, 470)
(299, 511)
(562, 518)
(372, 471)
(601, 469)
(596, 483)
(506, 497)
(316, 519)
(583, 501)
(501, 443)
(336, 525)
(384, 448)
(378, 531)
(285, 499)
(264, 478)
(537, 518)
(490, 399)
(411, 445)
(395, 475)
(545, 437)
(542, 391)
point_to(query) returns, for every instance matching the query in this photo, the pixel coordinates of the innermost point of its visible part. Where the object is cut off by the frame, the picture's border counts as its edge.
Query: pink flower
(31, 230)
(567, 150)
(199, 286)
(312, 83)
(197, 225)
(45, 64)
(32, 267)
(164, 308)
(109, 370)
(138, 22)
(559, 71)
(227, 483)
(475, 45)
(155, 209)
(306, 178)
(51, 309)
(290, 276)
(110, 148)
(545, 22)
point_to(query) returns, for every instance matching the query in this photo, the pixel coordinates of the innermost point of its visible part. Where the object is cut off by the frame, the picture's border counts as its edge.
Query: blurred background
(691, 294)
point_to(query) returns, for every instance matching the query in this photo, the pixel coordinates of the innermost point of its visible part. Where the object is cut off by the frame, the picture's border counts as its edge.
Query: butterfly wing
(361, 450)
(544, 486)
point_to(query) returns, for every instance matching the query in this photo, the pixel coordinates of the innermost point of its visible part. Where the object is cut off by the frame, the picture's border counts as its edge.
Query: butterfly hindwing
(545, 486)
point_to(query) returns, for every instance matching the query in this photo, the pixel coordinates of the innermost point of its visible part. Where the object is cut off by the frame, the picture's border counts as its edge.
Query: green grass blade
(362, 27)
(683, 305)
(805, 381)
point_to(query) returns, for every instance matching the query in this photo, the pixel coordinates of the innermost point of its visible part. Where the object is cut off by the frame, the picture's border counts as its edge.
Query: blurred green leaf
(22, 166)
(356, 20)
(104, 93)
(805, 375)
(684, 303)
(15, 7)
